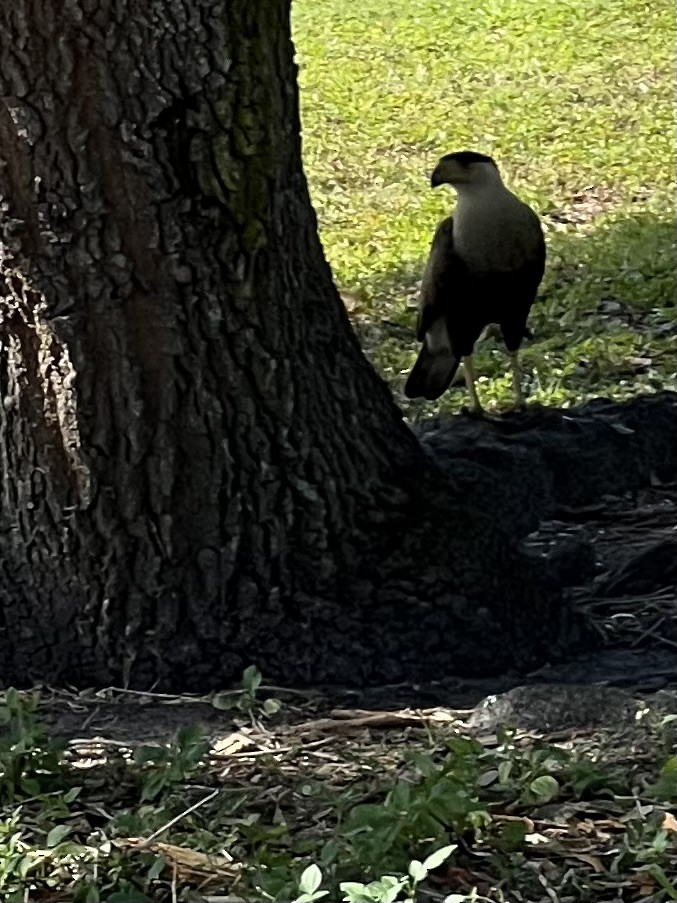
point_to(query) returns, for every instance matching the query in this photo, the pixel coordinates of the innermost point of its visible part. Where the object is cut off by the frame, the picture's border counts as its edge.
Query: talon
(473, 412)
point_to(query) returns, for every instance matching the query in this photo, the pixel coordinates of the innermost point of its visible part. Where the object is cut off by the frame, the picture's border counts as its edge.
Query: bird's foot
(531, 411)
(473, 411)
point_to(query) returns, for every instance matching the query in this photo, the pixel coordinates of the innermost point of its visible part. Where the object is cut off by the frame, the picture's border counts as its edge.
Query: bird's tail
(431, 374)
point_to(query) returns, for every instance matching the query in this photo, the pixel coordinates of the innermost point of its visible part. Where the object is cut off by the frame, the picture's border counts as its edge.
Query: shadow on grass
(635, 248)
(603, 323)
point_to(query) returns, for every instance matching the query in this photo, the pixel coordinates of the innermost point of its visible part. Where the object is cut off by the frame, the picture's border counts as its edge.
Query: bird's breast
(493, 239)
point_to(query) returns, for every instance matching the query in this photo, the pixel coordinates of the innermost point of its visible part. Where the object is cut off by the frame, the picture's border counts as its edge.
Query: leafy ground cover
(575, 100)
(285, 799)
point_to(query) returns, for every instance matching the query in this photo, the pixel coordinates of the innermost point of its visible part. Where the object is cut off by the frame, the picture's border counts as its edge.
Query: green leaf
(30, 786)
(658, 874)
(330, 852)
(153, 785)
(544, 788)
(665, 788)
(504, 771)
(311, 879)
(368, 815)
(400, 796)
(271, 706)
(436, 859)
(465, 747)
(354, 892)
(385, 890)
(417, 870)
(423, 763)
(224, 702)
(489, 777)
(390, 894)
(157, 868)
(190, 736)
(57, 834)
(72, 794)
(143, 755)
(251, 680)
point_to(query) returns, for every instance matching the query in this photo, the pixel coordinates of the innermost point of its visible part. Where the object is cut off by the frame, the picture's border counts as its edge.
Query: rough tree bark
(199, 468)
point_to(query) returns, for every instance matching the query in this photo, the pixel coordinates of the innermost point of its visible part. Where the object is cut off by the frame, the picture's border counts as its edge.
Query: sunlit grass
(575, 100)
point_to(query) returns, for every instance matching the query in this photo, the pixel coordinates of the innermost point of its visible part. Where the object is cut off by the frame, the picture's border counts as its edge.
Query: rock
(547, 708)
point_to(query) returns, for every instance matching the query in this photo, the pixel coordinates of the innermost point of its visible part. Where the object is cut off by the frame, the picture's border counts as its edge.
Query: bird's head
(464, 168)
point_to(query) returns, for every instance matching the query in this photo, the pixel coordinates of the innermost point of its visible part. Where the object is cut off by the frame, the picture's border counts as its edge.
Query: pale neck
(482, 190)
(488, 196)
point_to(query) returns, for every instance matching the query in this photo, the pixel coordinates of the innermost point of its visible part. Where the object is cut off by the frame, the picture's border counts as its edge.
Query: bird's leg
(469, 374)
(520, 403)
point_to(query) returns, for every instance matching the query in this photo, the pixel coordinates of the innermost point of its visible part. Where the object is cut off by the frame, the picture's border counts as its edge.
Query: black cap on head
(465, 158)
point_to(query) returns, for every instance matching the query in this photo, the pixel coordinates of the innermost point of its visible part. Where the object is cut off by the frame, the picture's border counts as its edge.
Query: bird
(485, 265)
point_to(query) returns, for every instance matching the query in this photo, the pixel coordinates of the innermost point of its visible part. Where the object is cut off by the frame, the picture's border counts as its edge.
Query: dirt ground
(626, 549)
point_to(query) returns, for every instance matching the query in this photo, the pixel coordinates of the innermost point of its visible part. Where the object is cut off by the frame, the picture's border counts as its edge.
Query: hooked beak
(436, 178)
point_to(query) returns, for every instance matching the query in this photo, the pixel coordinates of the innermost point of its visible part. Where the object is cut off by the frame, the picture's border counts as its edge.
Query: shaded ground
(574, 803)
(281, 791)
(591, 492)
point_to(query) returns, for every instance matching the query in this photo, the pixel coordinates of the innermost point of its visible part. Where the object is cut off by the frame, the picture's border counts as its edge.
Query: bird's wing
(529, 275)
(534, 265)
(443, 270)
(509, 294)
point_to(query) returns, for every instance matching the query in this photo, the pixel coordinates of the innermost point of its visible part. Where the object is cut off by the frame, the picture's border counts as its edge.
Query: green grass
(574, 99)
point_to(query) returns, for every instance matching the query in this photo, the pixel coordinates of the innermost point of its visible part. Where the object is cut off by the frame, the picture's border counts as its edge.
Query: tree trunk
(199, 467)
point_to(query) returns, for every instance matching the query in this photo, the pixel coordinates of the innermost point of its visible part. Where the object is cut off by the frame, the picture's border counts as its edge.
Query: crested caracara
(484, 268)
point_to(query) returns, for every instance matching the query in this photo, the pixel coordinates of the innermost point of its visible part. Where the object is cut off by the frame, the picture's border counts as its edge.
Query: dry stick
(92, 715)
(650, 631)
(667, 642)
(149, 694)
(188, 698)
(257, 753)
(170, 824)
(663, 595)
(219, 898)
